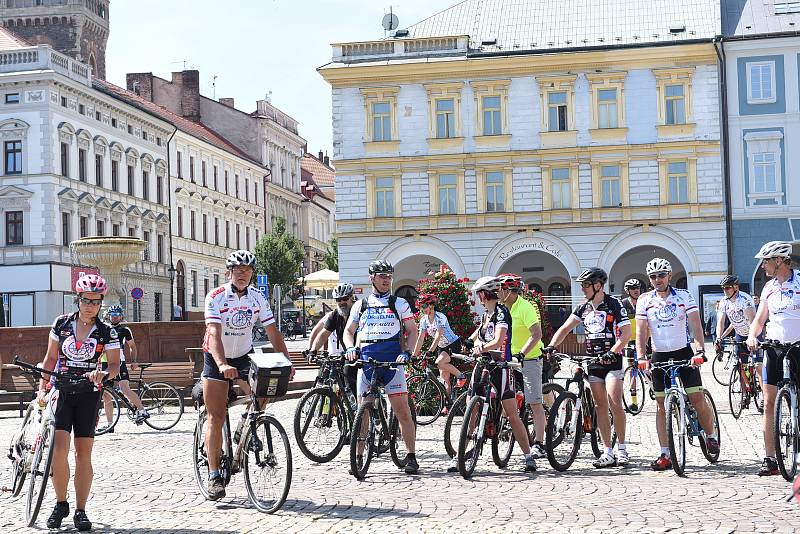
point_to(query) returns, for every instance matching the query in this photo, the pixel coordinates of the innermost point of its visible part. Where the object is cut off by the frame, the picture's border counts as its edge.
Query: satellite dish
(390, 22)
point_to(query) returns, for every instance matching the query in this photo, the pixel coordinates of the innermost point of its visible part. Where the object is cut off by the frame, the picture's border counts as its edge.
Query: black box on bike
(269, 374)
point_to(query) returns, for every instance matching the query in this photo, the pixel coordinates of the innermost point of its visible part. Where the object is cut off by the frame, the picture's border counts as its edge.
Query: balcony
(43, 57)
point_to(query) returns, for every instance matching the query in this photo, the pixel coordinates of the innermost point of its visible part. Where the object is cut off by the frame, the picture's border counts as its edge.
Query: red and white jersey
(667, 317)
(783, 302)
(237, 315)
(736, 311)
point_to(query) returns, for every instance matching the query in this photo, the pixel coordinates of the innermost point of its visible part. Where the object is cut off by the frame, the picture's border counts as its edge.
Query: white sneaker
(622, 457)
(606, 460)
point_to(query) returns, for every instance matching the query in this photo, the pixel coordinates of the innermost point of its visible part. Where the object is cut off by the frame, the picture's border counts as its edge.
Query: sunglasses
(658, 275)
(343, 299)
(384, 276)
(242, 270)
(727, 287)
(90, 302)
(587, 285)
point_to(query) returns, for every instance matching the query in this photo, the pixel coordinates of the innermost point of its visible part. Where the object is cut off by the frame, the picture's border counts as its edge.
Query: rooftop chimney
(327, 161)
(140, 83)
(190, 94)
(320, 155)
(226, 102)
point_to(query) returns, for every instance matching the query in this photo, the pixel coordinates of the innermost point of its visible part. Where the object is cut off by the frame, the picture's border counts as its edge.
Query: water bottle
(239, 427)
(520, 400)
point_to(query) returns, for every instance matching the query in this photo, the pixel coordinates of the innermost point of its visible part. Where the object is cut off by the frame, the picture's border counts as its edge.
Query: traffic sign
(137, 293)
(263, 285)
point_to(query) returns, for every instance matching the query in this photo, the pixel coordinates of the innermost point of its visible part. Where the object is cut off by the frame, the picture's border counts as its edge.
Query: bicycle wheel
(382, 438)
(633, 390)
(164, 404)
(397, 447)
(756, 384)
(564, 431)
(320, 425)
(267, 464)
(364, 436)
(18, 451)
(785, 439)
(429, 399)
(721, 367)
(471, 437)
(676, 433)
(503, 442)
(40, 471)
(597, 446)
(712, 457)
(199, 457)
(550, 392)
(452, 427)
(736, 394)
(107, 421)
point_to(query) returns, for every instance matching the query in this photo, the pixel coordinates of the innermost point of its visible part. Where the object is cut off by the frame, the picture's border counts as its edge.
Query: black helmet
(380, 266)
(593, 274)
(729, 280)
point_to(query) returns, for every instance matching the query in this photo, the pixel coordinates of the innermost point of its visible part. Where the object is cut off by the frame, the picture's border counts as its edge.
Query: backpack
(392, 306)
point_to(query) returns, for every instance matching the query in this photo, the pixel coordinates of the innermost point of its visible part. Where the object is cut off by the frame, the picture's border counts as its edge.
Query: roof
(195, 129)
(323, 175)
(11, 41)
(520, 25)
(751, 17)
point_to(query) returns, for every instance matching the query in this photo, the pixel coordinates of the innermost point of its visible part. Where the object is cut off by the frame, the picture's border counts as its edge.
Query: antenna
(214, 86)
(179, 61)
(390, 21)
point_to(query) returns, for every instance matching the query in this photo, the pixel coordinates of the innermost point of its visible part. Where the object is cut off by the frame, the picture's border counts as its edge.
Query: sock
(620, 446)
(411, 455)
(527, 456)
(771, 458)
(665, 450)
(609, 451)
(212, 474)
(539, 443)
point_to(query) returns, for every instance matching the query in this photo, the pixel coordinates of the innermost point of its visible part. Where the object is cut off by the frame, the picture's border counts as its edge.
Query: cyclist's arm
(726, 333)
(497, 341)
(696, 327)
(750, 314)
(642, 333)
(759, 320)
(113, 363)
(622, 340)
(49, 362)
(536, 336)
(571, 322)
(132, 351)
(316, 331)
(410, 326)
(320, 340)
(420, 340)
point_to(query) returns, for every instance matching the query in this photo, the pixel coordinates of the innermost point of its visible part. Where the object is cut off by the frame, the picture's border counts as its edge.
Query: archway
(760, 279)
(424, 247)
(409, 271)
(632, 265)
(180, 286)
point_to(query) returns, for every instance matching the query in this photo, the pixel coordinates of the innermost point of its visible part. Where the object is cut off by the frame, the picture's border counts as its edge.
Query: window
(130, 129)
(445, 118)
(764, 172)
(12, 98)
(131, 189)
(216, 280)
(160, 189)
(145, 185)
(678, 176)
(384, 197)
(674, 105)
(610, 185)
(247, 190)
(761, 82)
(448, 189)
(98, 116)
(236, 184)
(560, 188)
(226, 182)
(84, 226)
(114, 175)
(81, 109)
(557, 111)
(180, 222)
(205, 228)
(203, 172)
(216, 186)
(492, 115)
(216, 230)
(101, 227)
(63, 101)
(144, 135)
(205, 286)
(13, 150)
(180, 165)
(131, 231)
(194, 288)
(98, 170)
(160, 248)
(191, 168)
(146, 238)
(157, 306)
(255, 193)
(381, 121)
(787, 7)
(65, 233)
(113, 122)
(238, 236)
(607, 108)
(65, 160)
(674, 88)
(247, 237)
(81, 165)
(192, 233)
(765, 184)
(495, 192)
(115, 230)
(228, 234)
(14, 228)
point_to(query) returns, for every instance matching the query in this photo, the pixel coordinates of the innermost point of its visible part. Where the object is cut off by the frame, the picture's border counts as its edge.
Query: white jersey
(667, 317)
(439, 323)
(378, 322)
(783, 302)
(237, 317)
(736, 311)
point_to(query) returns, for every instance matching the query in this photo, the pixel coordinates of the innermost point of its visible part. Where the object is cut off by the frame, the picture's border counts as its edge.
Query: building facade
(318, 212)
(491, 150)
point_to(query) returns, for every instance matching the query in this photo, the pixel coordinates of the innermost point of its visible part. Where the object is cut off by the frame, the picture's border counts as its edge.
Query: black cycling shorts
(455, 346)
(77, 413)
(773, 366)
(501, 378)
(211, 371)
(690, 376)
(123, 370)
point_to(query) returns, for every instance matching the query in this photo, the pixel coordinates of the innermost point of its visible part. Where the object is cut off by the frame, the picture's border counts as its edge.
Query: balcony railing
(389, 48)
(43, 57)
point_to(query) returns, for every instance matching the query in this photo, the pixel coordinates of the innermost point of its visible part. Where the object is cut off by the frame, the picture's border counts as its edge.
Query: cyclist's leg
(125, 387)
(693, 384)
(215, 398)
(362, 389)
(64, 415)
(83, 430)
(614, 386)
(773, 373)
(446, 369)
(659, 387)
(397, 391)
(532, 384)
(600, 395)
(503, 380)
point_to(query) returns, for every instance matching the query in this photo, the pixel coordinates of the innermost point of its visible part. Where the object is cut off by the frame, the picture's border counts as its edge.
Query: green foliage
(538, 299)
(332, 255)
(452, 299)
(279, 255)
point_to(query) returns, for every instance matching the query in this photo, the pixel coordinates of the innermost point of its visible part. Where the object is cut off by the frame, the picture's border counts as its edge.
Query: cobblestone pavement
(144, 484)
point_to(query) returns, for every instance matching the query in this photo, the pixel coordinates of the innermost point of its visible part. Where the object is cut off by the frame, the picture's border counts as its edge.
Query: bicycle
(429, 394)
(572, 416)
(724, 360)
(637, 385)
(682, 421)
(33, 444)
(259, 448)
(745, 385)
(787, 422)
(324, 415)
(373, 429)
(163, 403)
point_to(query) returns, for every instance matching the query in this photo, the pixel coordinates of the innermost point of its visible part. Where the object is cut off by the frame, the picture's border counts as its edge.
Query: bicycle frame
(676, 386)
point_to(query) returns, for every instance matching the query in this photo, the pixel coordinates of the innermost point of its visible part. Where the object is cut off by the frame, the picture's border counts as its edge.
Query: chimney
(327, 161)
(226, 102)
(320, 156)
(190, 94)
(140, 83)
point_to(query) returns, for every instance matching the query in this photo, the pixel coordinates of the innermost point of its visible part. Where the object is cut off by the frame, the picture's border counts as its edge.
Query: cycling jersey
(490, 323)
(79, 357)
(439, 323)
(124, 335)
(783, 302)
(237, 315)
(630, 310)
(524, 315)
(335, 323)
(735, 310)
(667, 317)
(601, 323)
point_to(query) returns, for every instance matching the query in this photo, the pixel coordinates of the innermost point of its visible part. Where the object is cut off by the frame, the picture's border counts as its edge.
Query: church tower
(77, 28)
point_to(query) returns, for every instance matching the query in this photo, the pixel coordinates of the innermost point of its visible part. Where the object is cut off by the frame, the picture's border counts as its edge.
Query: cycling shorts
(123, 370)
(502, 379)
(600, 372)
(455, 346)
(773, 366)
(77, 413)
(743, 353)
(690, 376)
(392, 380)
(211, 370)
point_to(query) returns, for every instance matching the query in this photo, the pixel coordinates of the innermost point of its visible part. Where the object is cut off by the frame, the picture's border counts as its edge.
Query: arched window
(180, 285)
(557, 289)
(410, 294)
(533, 286)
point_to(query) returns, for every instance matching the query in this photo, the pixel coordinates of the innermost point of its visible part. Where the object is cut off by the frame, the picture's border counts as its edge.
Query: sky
(252, 47)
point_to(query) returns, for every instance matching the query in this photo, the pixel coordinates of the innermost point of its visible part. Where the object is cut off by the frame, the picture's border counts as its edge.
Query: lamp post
(171, 272)
(303, 294)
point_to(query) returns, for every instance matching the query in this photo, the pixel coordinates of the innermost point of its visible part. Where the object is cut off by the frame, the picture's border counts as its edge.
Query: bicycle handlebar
(775, 344)
(37, 371)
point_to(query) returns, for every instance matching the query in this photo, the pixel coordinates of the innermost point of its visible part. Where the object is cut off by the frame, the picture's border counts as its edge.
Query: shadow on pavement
(346, 511)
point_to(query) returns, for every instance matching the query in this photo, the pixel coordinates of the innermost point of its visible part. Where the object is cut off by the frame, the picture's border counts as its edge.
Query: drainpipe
(169, 204)
(719, 47)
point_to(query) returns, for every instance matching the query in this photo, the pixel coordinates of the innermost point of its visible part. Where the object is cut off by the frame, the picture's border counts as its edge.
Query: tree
(332, 255)
(279, 255)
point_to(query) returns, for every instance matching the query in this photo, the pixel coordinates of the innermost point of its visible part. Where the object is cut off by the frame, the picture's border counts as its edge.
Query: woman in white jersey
(780, 304)
(445, 342)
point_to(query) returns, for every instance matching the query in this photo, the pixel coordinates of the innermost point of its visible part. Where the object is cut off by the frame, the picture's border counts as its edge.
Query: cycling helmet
(593, 274)
(343, 290)
(240, 257)
(91, 283)
(775, 249)
(510, 281)
(426, 298)
(729, 280)
(116, 309)
(633, 283)
(486, 283)
(380, 266)
(658, 265)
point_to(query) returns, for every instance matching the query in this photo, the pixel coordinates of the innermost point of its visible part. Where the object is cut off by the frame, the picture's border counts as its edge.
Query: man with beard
(332, 329)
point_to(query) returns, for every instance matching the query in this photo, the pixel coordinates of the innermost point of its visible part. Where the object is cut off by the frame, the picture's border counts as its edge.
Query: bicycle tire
(268, 465)
(452, 426)
(786, 442)
(199, 457)
(367, 436)
(503, 442)
(712, 458)
(758, 391)
(382, 442)
(101, 413)
(396, 443)
(595, 435)
(720, 367)
(429, 398)
(559, 430)
(633, 381)
(164, 404)
(39, 478)
(736, 392)
(676, 433)
(18, 446)
(549, 389)
(469, 441)
(313, 403)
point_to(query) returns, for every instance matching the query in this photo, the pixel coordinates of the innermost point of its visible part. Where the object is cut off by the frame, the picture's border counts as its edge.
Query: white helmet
(775, 249)
(343, 290)
(487, 283)
(240, 257)
(658, 265)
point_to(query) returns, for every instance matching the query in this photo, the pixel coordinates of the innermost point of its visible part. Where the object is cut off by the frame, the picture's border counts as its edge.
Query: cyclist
(740, 310)
(607, 330)
(666, 314)
(526, 345)
(381, 319)
(780, 305)
(331, 329)
(230, 313)
(435, 324)
(126, 342)
(493, 334)
(633, 288)
(77, 341)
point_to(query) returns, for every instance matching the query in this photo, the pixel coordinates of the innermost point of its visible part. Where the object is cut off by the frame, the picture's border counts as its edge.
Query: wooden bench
(19, 388)
(179, 374)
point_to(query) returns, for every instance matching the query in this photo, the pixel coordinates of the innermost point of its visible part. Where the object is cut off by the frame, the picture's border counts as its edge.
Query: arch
(403, 248)
(100, 140)
(161, 166)
(132, 152)
(92, 63)
(514, 244)
(654, 236)
(116, 145)
(66, 128)
(180, 286)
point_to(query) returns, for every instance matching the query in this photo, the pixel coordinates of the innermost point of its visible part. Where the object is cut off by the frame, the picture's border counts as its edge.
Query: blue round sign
(136, 293)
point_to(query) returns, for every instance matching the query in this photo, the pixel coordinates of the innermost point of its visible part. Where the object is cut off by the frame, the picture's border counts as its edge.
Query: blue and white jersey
(783, 301)
(667, 317)
(439, 324)
(378, 327)
(735, 309)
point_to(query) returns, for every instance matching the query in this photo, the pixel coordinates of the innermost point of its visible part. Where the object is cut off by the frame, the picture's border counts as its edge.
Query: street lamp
(171, 272)
(303, 294)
